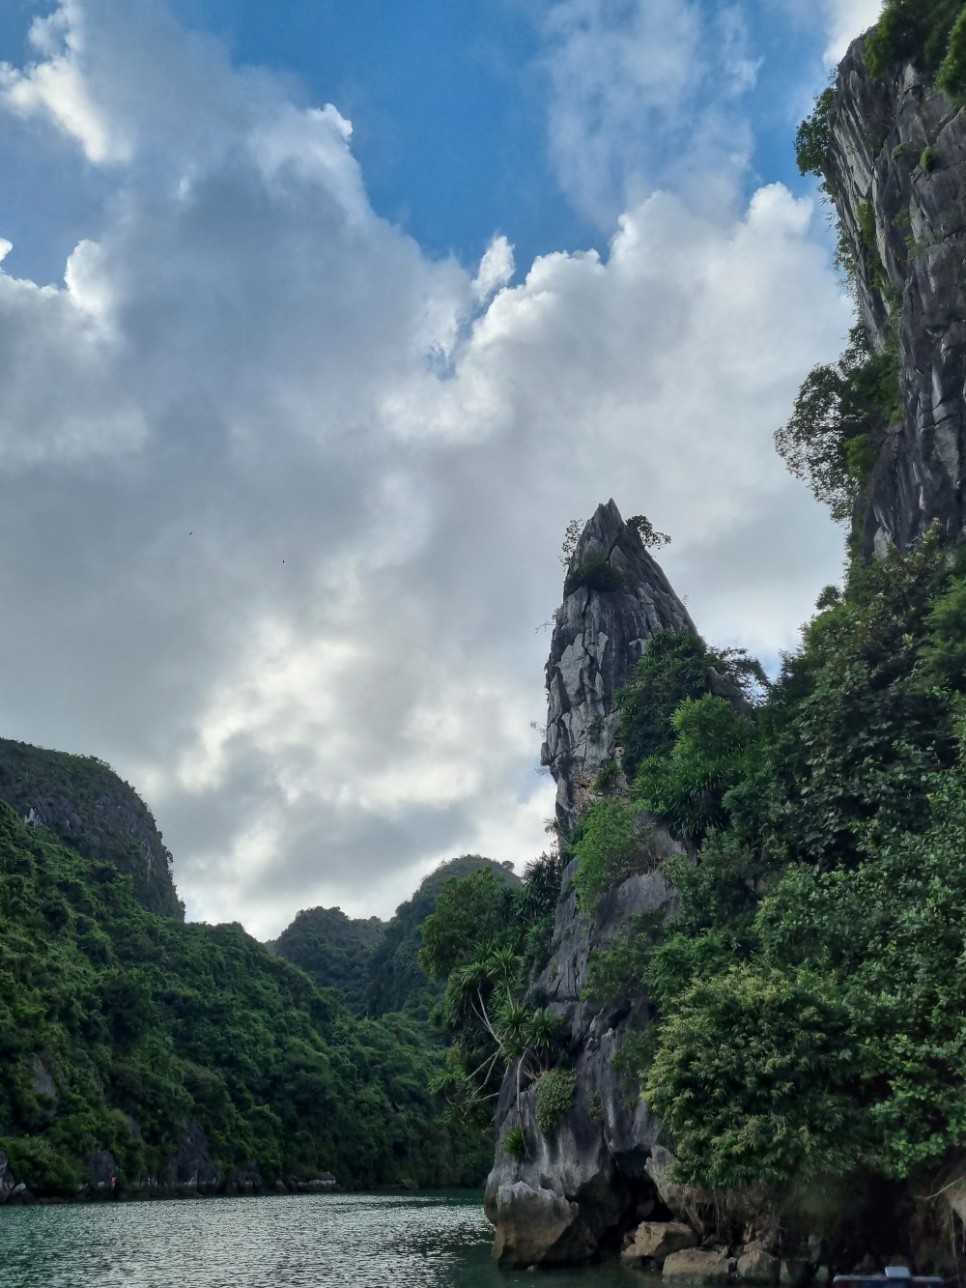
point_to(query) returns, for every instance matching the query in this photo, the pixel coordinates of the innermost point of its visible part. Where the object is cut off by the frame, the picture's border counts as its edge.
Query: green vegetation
(593, 573)
(84, 803)
(713, 748)
(607, 776)
(397, 981)
(814, 966)
(611, 840)
(677, 665)
(485, 939)
(555, 1095)
(514, 1143)
(951, 77)
(650, 537)
(928, 159)
(929, 32)
(841, 412)
(334, 950)
(813, 139)
(120, 1028)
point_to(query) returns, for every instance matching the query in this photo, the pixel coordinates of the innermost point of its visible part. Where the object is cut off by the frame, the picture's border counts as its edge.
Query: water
(422, 1240)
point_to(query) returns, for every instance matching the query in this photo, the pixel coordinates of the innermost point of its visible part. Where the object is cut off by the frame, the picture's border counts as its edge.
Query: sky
(318, 323)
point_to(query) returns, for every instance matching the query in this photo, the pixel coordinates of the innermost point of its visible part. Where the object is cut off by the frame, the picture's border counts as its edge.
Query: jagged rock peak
(896, 172)
(615, 598)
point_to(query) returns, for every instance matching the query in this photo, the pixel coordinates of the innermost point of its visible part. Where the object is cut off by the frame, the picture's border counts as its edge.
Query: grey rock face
(192, 1168)
(910, 283)
(587, 1180)
(699, 1265)
(102, 1172)
(599, 635)
(8, 1182)
(91, 810)
(593, 1165)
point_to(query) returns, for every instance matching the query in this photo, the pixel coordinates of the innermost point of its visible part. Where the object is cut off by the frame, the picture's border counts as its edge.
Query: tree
(840, 413)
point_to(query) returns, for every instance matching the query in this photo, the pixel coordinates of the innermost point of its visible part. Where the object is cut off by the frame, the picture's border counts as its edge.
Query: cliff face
(896, 173)
(91, 810)
(578, 1189)
(598, 636)
(895, 168)
(574, 1191)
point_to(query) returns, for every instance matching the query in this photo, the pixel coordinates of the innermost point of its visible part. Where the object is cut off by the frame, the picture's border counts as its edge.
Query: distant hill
(373, 964)
(335, 950)
(396, 980)
(84, 803)
(154, 1056)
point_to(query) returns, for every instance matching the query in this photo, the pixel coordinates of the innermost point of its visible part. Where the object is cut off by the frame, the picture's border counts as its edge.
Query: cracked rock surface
(598, 637)
(578, 1187)
(897, 167)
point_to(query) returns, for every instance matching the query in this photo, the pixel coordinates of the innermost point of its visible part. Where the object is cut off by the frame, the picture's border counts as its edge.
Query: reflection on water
(428, 1240)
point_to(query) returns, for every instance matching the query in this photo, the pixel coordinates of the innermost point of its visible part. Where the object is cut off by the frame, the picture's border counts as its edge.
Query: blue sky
(449, 119)
(318, 323)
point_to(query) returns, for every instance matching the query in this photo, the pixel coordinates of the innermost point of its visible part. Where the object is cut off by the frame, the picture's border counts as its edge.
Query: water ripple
(431, 1240)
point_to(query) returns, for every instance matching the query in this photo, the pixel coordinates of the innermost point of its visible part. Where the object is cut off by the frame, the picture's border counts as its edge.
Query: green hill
(335, 950)
(172, 1055)
(397, 982)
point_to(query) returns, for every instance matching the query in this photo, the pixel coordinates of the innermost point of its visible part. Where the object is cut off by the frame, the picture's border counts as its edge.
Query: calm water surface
(423, 1240)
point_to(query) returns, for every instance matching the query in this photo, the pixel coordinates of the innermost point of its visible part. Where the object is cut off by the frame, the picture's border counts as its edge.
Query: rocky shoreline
(104, 1183)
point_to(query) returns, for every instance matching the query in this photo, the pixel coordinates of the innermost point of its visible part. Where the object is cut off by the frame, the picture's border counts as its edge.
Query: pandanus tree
(476, 940)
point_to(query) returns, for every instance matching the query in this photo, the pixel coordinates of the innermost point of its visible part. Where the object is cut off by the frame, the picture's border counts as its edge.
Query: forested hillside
(335, 950)
(374, 965)
(145, 1055)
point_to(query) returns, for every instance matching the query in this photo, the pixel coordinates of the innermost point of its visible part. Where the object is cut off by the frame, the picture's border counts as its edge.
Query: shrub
(674, 667)
(514, 1143)
(778, 1041)
(607, 776)
(928, 159)
(593, 573)
(42, 1166)
(614, 840)
(859, 458)
(555, 1095)
(857, 397)
(648, 534)
(924, 31)
(899, 32)
(687, 788)
(814, 136)
(619, 971)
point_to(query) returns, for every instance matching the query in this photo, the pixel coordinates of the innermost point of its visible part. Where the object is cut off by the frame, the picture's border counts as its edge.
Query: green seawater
(433, 1239)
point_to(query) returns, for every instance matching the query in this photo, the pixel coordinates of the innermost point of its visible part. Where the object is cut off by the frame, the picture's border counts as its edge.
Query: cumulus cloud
(846, 20)
(282, 497)
(839, 21)
(643, 92)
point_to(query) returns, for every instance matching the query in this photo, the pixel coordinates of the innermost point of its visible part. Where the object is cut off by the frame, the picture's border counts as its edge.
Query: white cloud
(496, 269)
(56, 86)
(643, 92)
(839, 21)
(278, 536)
(848, 19)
